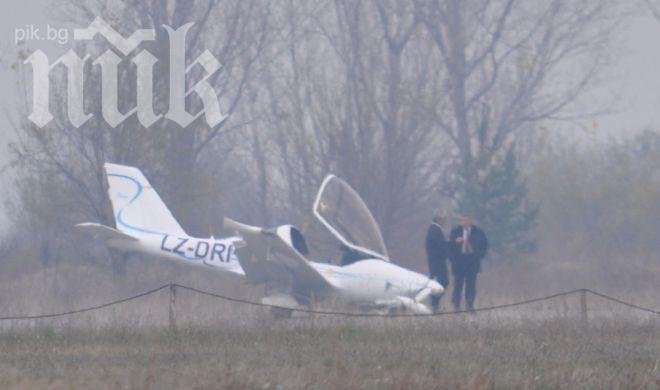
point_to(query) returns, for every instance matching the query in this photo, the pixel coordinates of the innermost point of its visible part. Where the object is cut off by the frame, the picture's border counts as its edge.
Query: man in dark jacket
(437, 251)
(468, 246)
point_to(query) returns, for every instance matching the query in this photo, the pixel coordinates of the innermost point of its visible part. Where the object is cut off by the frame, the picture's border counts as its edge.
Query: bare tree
(409, 102)
(503, 61)
(412, 103)
(61, 166)
(350, 97)
(508, 67)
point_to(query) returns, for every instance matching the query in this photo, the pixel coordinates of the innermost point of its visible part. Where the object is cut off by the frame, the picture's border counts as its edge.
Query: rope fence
(90, 308)
(173, 286)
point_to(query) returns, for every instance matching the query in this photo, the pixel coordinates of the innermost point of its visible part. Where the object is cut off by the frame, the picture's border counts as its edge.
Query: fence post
(583, 307)
(172, 307)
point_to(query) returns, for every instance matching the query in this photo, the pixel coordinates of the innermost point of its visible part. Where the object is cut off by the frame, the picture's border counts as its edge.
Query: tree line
(419, 105)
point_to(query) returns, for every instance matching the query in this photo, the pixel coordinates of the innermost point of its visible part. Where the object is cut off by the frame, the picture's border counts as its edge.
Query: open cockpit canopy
(341, 210)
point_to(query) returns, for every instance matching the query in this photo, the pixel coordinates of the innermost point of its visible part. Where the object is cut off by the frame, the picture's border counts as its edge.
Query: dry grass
(224, 345)
(476, 352)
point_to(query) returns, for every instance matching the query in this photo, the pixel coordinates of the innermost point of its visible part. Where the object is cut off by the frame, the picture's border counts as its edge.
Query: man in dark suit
(468, 246)
(437, 251)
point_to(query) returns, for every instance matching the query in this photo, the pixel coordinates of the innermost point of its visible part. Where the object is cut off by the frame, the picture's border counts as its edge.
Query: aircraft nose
(436, 288)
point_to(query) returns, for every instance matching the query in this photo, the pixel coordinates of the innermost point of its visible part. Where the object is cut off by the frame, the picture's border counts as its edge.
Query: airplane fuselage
(370, 280)
(364, 281)
(275, 256)
(209, 252)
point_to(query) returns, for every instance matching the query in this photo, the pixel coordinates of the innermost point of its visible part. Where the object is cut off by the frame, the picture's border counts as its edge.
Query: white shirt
(466, 237)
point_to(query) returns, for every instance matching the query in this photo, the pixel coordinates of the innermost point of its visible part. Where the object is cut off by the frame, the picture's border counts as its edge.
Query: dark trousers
(465, 272)
(440, 273)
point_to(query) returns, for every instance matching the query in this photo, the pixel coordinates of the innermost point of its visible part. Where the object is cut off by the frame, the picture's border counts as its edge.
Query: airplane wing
(268, 258)
(105, 233)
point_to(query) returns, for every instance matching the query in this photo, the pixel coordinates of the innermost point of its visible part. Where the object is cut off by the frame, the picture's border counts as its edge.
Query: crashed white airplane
(275, 257)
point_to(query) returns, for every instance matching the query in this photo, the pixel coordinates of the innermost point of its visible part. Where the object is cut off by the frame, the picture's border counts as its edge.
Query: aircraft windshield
(347, 217)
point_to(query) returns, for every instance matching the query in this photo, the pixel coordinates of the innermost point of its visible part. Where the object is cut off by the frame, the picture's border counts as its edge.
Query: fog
(275, 162)
(536, 120)
(632, 78)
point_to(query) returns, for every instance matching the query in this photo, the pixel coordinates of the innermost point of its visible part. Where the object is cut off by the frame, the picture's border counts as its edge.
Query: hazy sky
(634, 82)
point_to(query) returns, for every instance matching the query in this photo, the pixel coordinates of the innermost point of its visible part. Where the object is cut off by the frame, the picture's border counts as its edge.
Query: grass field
(468, 351)
(221, 344)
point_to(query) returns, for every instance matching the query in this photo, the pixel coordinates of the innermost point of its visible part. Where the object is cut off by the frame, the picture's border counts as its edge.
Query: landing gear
(282, 305)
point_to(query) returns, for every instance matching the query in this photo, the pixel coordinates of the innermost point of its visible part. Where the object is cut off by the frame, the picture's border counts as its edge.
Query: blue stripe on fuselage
(120, 218)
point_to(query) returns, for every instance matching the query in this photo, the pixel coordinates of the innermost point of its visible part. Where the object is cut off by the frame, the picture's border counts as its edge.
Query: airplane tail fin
(137, 208)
